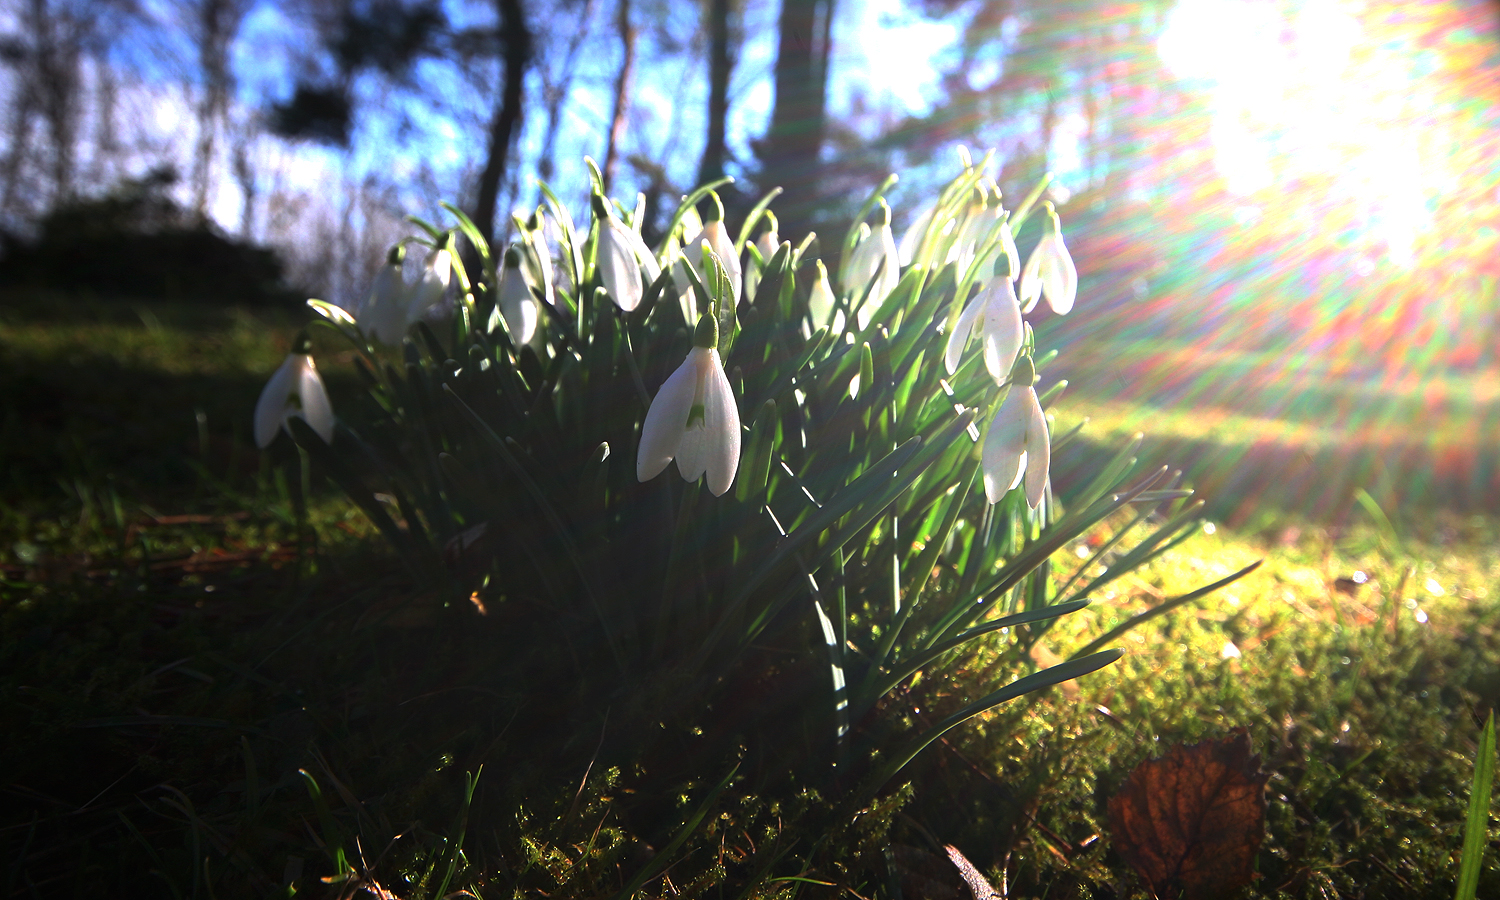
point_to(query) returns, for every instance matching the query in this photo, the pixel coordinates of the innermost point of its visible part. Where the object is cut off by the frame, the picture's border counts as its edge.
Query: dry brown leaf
(1192, 821)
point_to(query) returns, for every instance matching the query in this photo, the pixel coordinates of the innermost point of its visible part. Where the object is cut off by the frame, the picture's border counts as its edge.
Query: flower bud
(1023, 373)
(706, 335)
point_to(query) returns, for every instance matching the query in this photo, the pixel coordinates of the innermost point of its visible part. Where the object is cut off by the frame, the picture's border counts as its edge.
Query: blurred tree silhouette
(138, 242)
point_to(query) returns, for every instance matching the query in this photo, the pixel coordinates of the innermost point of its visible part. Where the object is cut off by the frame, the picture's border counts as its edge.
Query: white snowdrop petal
(1066, 277)
(911, 239)
(1003, 457)
(693, 451)
(821, 302)
(643, 253)
(518, 306)
(270, 409)
(1030, 288)
(1038, 451)
(618, 267)
(722, 415)
(316, 409)
(1054, 276)
(666, 420)
(719, 240)
(1003, 331)
(958, 339)
(436, 274)
(856, 262)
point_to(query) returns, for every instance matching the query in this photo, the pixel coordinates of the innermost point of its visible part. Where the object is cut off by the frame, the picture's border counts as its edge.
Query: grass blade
(1476, 829)
(1073, 668)
(1163, 608)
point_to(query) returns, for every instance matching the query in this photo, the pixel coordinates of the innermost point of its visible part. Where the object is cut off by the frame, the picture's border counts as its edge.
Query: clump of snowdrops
(864, 465)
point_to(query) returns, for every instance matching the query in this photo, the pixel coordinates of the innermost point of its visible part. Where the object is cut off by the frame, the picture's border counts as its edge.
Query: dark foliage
(136, 242)
(322, 114)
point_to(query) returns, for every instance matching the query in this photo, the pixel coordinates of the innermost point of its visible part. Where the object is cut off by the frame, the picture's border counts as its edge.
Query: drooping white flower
(694, 419)
(295, 389)
(1017, 445)
(987, 221)
(994, 317)
(619, 262)
(769, 240)
(911, 239)
(766, 245)
(716, 237)
(515, 301)
(822, 305)
(437, 272)
(687, 301)
(874, 263)
(538, 267)
(382, 315)
(1050, 271)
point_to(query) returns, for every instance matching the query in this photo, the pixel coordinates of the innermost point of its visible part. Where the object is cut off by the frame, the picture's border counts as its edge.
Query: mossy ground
(215, 684)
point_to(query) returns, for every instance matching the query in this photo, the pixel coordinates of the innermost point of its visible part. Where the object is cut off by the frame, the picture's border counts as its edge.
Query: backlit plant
(865, 488)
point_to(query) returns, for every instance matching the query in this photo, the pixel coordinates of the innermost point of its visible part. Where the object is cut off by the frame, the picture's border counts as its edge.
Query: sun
(1319, 92)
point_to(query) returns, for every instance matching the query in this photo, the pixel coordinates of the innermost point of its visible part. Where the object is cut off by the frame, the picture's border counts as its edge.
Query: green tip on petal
(706, 335)
(1005, 267)
(513, 257)
(601, 208)
(302, 344)
(885, 212)
(535, 221)
(1023, 373)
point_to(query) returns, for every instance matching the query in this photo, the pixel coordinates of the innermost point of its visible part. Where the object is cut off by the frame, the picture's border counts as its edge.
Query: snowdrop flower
(1017, 444)
(874, 258)
(687, 301)
(912, 238)
(821, 304)
(622, 253)
(769, 240)
(716, 237)
(382, 315)
(437, 271)
(694, 419)
(987, 220)
(295, 389)
(516, 303)
(1050, 271)
(767, 245)
(994, 317)
(538, 269)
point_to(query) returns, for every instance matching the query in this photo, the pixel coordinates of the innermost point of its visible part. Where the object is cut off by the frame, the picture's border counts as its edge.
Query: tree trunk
(58, 39)
(516, 47)
(720, 67)
(218, 21)
(622, 95)
(790, 151)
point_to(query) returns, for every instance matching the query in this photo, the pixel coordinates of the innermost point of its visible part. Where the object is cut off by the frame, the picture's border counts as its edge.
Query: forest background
(1312, 183)
(1310, 148)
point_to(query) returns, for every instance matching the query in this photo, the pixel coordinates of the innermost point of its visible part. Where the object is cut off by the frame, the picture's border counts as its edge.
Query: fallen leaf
(923, 874)
(979, 886)
(1192, 821)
